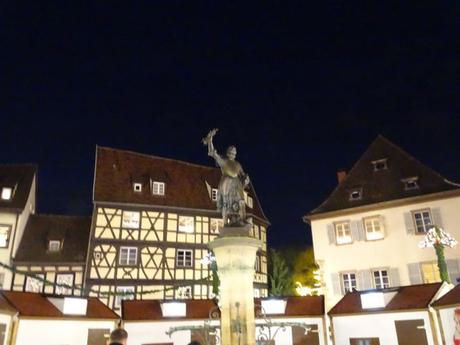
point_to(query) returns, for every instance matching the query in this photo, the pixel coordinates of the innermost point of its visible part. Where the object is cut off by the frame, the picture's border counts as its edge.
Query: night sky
(301, 88)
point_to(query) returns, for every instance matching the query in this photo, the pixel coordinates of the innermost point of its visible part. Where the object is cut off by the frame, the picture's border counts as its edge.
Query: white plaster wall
(155, 332)
(396, 250)
(375, 325)
(24, 216)
(448, 324)
(57, 332)
(5, 253)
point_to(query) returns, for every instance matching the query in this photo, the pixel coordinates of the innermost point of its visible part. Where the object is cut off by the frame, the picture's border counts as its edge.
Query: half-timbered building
(17, 202)
(53, 248)
(152, 220)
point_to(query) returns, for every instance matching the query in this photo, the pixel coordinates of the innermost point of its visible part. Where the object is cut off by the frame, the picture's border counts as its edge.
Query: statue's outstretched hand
(206, 140)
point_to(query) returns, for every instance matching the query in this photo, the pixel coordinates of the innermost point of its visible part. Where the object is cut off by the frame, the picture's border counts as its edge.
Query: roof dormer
(380, 164)
(7, 193)
(410, 183)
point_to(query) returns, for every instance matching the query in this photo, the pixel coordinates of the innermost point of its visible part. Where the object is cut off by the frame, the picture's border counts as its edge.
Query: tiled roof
(450, 298)
(72, 231)
(19, 178)
(117, 170)
(29, 304)
(386, 184)
(406, 298)
(138, 310)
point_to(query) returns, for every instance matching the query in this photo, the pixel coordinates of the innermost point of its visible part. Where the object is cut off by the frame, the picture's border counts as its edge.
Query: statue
(230, 195)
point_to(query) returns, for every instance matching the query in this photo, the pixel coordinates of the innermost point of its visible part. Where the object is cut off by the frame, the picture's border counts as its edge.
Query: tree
(280, 275)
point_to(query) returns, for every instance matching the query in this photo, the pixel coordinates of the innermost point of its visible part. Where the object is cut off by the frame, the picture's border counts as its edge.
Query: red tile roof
(117, 170)
(29, 304)
(150, 310)
(450, 298)
(386, 184)
(406, 298)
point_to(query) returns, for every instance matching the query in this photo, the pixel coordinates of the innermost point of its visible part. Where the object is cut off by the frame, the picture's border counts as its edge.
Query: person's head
(231, 152)
(118, 336)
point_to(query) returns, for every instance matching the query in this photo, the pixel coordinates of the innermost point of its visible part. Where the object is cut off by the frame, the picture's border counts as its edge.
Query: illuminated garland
(47, 282)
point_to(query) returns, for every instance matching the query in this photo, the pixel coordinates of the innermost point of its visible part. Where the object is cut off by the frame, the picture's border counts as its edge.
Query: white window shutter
(410, 228)
(354, 230)
(364, 280)
(394, 277)
(415, 275)
(454, 271)
(361, 231)
(436, 216)
(331, 233)
(383, 225)
(336, 289)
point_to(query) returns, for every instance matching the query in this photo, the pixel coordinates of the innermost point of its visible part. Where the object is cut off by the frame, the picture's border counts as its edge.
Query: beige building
(153, 218)
(366, 233)
(17, 202)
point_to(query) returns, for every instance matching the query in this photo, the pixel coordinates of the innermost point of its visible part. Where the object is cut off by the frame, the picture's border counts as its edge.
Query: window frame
(118, 299)
(414, 220)
(183, 230)
(186, 287)
(380, 270)
(2, 195)
(137, 187)
(9, 229)
(382, 230)
(413, 180)
(124, 226)
(61, 273)
(42, 275)
(383, 161)
(433, 264)
(129, 248)
(53, 250)
(214, 192)
(336, 232)
(161, 187)
(355, 190)
(342, 282)
(178, 250)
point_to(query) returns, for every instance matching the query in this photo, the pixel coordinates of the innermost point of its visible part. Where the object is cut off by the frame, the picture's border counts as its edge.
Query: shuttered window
(430, 272)
(343, 233)
(422, 219)
(348, 282)
(374, 228)
(381, 279)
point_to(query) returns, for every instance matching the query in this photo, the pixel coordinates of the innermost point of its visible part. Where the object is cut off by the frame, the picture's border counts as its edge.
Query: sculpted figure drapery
(230, 195)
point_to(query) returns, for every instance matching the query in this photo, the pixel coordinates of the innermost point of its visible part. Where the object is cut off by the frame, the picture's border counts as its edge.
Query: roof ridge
(155, 156)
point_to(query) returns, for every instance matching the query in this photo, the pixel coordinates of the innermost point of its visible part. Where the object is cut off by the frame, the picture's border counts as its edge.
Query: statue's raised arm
(207, 140)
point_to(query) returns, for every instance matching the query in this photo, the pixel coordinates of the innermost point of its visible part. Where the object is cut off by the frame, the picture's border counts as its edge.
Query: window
(430, 272)
(422, 220)
(256, 293)
(348, 282)
(186, 224)
(54, 245)
(33, 284)
(410, 183)
(215, 225)
(250, 202)
(158, 188)
(364, 341)
(7, 193)
(184, 292)
(128, 256)
(127, 293)
(343, 233)
(356, 194)
(214, 194)
(130, 219)
(380, 164)
(137, 187)
(5, 231)
(184, 258)
(67, 279)
(381, 280)
(257, 264)
(374, 228)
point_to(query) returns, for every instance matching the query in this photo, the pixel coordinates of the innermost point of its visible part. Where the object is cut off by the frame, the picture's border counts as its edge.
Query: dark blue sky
(300, 87)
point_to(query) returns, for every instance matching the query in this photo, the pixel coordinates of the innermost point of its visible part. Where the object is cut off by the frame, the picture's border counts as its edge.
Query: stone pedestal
(235, 253)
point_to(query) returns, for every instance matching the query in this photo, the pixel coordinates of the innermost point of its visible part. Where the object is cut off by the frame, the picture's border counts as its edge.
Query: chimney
(341, 175)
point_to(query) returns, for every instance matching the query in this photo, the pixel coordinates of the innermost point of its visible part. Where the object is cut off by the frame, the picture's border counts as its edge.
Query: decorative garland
(47, 282)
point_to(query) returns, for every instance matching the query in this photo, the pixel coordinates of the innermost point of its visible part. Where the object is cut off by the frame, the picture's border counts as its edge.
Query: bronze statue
(230, 195)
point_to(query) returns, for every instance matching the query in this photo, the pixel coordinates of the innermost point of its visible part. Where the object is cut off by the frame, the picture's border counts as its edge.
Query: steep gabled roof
(73, 231)
(406, 298)
(29, 304)
(386, 184)
(116, 171)
(450, 298)
(19, 178)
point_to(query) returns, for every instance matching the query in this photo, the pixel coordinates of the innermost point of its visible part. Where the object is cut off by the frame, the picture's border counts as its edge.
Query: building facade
(152, 220)
(366, 233)
(54, 248)
(17, 202)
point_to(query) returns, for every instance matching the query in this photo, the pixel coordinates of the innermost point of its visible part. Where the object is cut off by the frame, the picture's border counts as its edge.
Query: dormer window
(214, 194)
(54, 245)
(7, 193)
(158, 188)
(380, 164)
(410, 183)
(355, 194)
(250, 202)
(137, 187)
